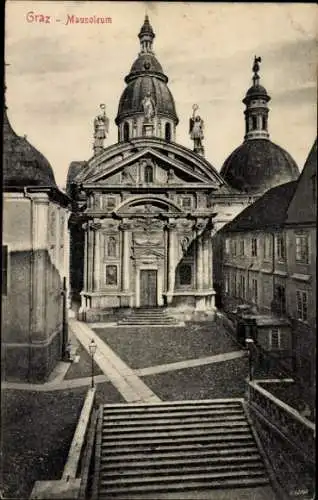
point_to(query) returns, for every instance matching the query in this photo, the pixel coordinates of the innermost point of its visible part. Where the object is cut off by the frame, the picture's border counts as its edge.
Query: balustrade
(297, 428)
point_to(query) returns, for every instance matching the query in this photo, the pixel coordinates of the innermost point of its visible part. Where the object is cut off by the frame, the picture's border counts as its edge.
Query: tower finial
(146, 36)
(256, 68)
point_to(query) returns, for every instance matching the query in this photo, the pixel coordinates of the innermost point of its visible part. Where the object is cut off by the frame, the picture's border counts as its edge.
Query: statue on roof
(149, 106)
(101, 125)
(196, 130)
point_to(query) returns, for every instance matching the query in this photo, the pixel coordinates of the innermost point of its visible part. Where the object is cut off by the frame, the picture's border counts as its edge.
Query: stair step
(138, 408)
(160, 473)
(159, 441)
(198, 476)
(179, 487)
(114, 422)
(108, 464)
(180, 433)
(192, 452)
(173, 446)
(172, 428)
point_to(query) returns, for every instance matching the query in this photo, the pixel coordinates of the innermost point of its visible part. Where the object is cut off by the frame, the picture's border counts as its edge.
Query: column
(85, 276)
(40, 204)
(172, 249)
(96, 267)
(125, 258)
(199, 263)
(206, 262)
(90, 257)
(67, 258)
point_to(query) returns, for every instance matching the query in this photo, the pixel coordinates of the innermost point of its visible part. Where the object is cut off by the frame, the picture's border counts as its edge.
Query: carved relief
(148, 224)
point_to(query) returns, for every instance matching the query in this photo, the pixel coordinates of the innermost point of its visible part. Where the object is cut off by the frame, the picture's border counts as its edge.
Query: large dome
(23, 165)
(146, 77)
(131, 100)
(258, 165)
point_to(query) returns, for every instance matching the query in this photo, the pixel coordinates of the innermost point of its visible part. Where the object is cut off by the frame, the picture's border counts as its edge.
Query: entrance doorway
(148, 288)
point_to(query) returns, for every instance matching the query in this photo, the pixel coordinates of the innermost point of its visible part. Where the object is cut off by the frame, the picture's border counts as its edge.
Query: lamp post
(249, 343)
(92, 349)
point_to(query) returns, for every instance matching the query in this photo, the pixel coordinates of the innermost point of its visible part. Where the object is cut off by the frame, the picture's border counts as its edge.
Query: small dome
(23, 164)
(257, 91)
(145, 63)
(131, 100)
(258, 165)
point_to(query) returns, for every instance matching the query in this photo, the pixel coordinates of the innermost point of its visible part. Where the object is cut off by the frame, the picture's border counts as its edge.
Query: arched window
(254, 122)
(168, 132)
(148, 173)
(185, 274)
(126, 131)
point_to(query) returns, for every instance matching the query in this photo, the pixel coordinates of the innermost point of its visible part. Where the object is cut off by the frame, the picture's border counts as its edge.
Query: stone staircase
(154, 316)
(180, 449)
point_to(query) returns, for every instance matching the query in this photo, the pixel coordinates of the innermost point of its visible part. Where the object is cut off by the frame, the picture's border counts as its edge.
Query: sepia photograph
(159, 194)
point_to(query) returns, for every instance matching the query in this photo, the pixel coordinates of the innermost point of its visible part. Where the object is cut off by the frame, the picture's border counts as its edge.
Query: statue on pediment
(101, 126)
(196, 131)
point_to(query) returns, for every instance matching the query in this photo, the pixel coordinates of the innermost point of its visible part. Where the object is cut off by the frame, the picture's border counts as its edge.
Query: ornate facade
(147, 206)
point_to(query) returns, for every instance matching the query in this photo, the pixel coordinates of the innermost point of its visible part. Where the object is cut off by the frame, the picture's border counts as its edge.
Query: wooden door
(148, 288)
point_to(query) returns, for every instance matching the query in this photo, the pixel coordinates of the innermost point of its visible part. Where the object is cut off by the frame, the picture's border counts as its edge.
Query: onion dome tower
(146, 107)
(258, 164)
(23, 164)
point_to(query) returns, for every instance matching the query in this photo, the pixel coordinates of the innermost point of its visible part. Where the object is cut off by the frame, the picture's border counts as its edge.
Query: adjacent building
(268, 268)
(300, 230)
(35, 262)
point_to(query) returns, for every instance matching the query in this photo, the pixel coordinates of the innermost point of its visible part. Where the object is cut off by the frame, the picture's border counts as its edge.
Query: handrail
(284, 406)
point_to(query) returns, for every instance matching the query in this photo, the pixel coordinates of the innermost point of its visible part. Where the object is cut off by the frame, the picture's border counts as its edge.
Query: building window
(254, 291)
(264, 122)
(226, 283)
(234, 284)
(168, 132)
(126, 131)
(254, 122)
(185, 274)
(254, 247)
(274, 338)
(234, 248)
(4, 269)
(110, 202)
(302, 248)
(267, 247)
(111, 247)
(111, 275)
(227, 246)
(242, 247)
(302, 305)
(279, 302)
(280, 247)
(242, 290)
(186, 202)
(148, 173)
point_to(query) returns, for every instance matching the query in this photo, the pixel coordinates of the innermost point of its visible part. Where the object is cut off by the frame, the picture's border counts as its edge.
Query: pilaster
(39, 263)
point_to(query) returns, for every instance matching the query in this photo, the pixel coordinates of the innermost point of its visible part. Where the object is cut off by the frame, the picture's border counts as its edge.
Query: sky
(57, 74)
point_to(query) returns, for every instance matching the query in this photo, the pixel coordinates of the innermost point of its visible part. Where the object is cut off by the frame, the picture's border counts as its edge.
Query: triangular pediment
(169, 169)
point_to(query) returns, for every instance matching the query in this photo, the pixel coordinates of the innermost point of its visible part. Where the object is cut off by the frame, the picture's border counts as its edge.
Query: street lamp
(249, 343)
(92, 349)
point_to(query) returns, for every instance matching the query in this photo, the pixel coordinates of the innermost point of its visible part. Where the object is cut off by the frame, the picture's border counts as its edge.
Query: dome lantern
(256, 112)
(146, 36)
(146, 107)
